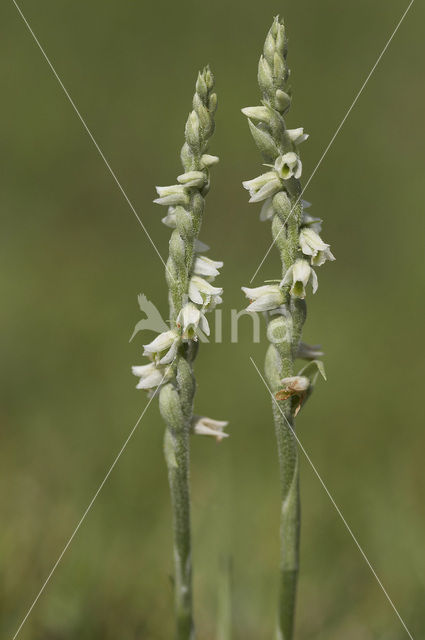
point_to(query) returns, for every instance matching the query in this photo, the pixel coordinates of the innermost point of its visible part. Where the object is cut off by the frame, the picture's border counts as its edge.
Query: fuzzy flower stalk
(191, 293)
(296, 236)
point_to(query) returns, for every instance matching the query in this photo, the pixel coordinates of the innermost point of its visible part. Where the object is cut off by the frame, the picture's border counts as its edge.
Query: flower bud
(282, 100)
(192, 130)
(282, 204)
(201, 87)
(212, 103)
(265, 77)
(261, 114)
(264, 141)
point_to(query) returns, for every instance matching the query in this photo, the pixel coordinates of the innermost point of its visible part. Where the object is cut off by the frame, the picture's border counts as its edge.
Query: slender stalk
(173, 352)
(299, 246)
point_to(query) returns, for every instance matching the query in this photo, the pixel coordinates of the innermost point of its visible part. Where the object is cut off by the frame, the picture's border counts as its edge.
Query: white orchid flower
(189, 320)
(173, 195)
(288, 165)
(297, 136)
(312, 245)
(298, 276)
(192, 179)
(164, 348)
(208, 160)
(263, 187)
(265, 298)
(206, 267)
(150, 375)
(209, 427)
(201, 291)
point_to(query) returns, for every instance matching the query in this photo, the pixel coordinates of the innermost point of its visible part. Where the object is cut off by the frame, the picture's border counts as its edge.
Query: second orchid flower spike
(301, 249)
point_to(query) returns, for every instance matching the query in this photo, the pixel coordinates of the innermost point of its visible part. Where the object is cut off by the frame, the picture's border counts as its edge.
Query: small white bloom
(201, 291)
(288, 165)
(190, 319)
(173, 195)
(164, 348)
(312, 245)
(170, 219)
(265, 298)
(150, 375)
(263, 186)
(209, 427)
(192, 179)
(206, 267)
(299, 275)
(267, 211)
(297, 136)
(209, 161)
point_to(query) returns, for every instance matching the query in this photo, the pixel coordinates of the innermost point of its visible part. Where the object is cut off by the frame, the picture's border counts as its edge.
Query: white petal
(269, 189)
(288, 277)
(203, 325)
(151, 381)
(205, 287)
(206, 267)
(171, 354)
(194, 293)
(161, 342)
(143, 370)
(267, 210)
(192, 179)
(266, 303)
(259, 181)
(256, 292)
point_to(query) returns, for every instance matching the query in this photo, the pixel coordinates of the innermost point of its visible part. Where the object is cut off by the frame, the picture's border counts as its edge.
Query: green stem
(177, 457)
(280, 364)
(289, 520)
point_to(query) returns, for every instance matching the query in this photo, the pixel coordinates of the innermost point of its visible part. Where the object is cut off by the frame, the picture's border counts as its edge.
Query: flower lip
(298, 276)
(288, 165)
(189, 320)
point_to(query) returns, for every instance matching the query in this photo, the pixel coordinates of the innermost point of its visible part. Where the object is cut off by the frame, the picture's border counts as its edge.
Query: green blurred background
(73, 259)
